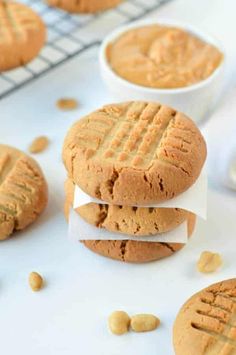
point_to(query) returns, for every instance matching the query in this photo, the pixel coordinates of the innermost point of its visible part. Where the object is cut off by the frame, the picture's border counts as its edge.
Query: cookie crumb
(144, 323)
(39, 144)
(67, 104)
(209, 262)
(35, 281)
(119, 322)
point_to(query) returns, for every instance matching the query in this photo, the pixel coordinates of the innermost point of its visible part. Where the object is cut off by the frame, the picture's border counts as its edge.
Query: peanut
(67, 104)
(35, 281)
(119, 322)
(38, 145)
(209, 262)
(144, 322)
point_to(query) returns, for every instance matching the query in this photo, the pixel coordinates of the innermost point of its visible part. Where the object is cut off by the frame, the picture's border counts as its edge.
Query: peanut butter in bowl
(162, 57)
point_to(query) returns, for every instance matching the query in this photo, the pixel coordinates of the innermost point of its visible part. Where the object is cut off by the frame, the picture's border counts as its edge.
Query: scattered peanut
(209, 262)
(67, 104)
(144, 322)
(119, 322)
(39, 144)
(35, 281)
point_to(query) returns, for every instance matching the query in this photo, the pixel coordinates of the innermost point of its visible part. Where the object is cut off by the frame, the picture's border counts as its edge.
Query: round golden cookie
(22, 35)
(23, 191)
(84, 6)
(134, 153)
(128, 250)
(137, 252)
(135, 221)
(206, 324)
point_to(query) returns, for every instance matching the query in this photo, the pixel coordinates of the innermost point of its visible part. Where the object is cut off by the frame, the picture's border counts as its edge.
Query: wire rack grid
(70, 35)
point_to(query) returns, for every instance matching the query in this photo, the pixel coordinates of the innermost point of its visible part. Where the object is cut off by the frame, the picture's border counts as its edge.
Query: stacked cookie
(128, 156)
(23, 191)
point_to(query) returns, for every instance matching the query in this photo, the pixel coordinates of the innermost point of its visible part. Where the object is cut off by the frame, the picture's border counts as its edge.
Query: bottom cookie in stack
(84, 6)
(135, 221)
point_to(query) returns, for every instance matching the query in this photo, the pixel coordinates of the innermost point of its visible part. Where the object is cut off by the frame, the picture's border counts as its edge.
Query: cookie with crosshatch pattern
(23, 190)
(134, 153)
(22, 35)
(84, 6)
(206, 324)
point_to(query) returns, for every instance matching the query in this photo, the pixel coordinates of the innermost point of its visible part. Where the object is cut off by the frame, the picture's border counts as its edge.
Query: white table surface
(69, 315)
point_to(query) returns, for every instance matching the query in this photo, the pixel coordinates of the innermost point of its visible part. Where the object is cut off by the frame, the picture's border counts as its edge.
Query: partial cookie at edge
(23, 34)
(23, 190)
(205, 325)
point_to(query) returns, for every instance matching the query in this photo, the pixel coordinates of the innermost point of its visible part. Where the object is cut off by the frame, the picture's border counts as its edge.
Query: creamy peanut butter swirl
(162, 57)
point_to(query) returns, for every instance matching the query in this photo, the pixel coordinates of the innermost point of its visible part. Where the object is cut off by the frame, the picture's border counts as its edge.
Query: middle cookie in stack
(133, 154)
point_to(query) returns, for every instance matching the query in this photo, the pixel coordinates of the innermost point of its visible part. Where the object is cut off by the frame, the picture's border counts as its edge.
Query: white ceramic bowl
(195, 100)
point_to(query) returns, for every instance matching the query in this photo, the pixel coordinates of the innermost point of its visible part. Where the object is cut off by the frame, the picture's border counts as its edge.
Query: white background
(69, 316)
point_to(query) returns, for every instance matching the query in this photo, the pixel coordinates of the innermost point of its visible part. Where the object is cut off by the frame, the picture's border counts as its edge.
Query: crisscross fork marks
(136, 135)
(132, 134)
(6, 35)
(131, 150)
(113, 145)
(144, 134)
(15, 21)
(93, 132)
(18, 185)
(96, 134)
(173, 148)
(7, 163)
(128, 133)
(217, 318)
(8, 23)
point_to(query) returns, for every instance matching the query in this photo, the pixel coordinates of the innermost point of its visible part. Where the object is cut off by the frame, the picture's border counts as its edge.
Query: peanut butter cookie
(137, 252)
(22, 35)
(127, 220)
(23, 191)
(128, 250)
(84, 6)
(206, 324)
(134, 153)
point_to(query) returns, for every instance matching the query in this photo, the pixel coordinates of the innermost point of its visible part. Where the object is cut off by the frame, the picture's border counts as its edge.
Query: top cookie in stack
(134, 153)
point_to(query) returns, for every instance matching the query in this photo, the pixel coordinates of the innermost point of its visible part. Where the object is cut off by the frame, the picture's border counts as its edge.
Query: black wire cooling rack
(69, 35)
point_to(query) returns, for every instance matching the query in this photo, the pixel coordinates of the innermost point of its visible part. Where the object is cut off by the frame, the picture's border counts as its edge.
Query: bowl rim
(169, 23)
